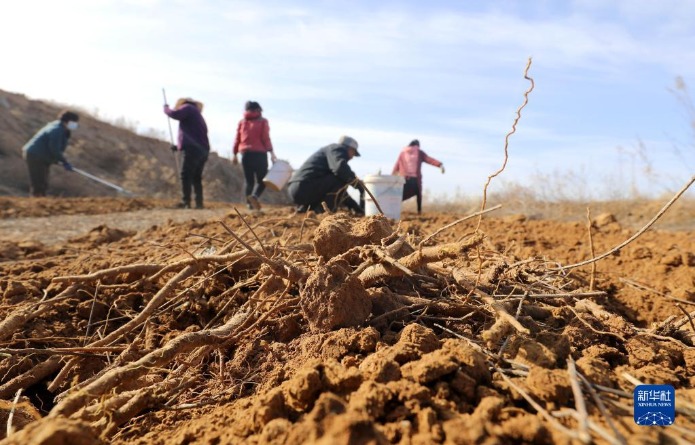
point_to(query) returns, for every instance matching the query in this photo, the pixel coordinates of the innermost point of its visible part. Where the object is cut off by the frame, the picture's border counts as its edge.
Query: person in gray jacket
(324, 177)
(47, 147)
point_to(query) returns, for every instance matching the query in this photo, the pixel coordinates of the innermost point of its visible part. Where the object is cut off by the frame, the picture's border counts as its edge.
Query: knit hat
(188, 100)
(414, 142)
(349, 142)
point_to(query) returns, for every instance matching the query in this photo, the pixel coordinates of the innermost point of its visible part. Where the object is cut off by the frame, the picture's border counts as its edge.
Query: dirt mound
(201, 332)
(339, 233)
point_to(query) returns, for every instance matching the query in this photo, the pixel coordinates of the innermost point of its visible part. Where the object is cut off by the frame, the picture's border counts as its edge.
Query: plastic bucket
(278, 175)
(388, 192)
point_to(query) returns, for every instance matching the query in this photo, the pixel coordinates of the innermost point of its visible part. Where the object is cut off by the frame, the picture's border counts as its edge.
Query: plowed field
(126, 322)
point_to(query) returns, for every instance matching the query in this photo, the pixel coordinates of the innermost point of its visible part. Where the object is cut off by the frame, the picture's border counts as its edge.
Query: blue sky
(449, 73)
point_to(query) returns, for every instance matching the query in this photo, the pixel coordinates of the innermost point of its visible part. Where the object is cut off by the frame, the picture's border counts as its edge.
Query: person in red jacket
(409, 165)
(253, 141)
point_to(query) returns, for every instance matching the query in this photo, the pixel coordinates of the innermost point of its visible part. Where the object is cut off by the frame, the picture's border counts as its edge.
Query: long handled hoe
(171, 138)
(102, 181)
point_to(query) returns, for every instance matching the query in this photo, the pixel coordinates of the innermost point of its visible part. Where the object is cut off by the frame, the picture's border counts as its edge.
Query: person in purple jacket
(193, 142)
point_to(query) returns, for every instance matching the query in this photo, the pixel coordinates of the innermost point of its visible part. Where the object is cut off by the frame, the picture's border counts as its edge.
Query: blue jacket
(48, 144)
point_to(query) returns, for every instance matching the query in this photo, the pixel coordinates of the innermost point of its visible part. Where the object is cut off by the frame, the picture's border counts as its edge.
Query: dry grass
(630, 212)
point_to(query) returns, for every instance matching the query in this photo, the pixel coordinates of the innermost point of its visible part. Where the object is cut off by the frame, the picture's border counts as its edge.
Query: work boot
(183, 205)
(253, 202)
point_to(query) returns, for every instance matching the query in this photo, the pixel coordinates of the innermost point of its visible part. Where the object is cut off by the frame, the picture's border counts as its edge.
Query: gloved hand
(174, 148)
(235, 160)
(67, 166)
(442, 168)
(166, 107)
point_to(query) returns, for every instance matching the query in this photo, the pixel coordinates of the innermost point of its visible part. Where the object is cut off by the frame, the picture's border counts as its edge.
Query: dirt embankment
(142, 165)
(284, 328)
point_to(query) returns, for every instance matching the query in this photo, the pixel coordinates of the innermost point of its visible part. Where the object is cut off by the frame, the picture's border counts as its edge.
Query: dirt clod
(333, 298)
(338, 233)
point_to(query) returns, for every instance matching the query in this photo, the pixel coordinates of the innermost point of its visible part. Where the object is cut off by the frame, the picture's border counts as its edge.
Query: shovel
(102, 181)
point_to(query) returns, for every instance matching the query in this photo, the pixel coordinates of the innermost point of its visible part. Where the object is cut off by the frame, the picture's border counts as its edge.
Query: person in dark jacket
(253, 141)
(324, 177)
(47, 147)
(193, 142)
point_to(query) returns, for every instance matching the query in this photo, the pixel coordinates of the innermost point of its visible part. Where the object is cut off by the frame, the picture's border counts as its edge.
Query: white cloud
(383, 72)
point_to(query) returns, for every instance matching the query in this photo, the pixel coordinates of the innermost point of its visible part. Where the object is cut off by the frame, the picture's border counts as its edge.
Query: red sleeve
(397, 167)
(265, 137)
(238, 139)
(430, 160)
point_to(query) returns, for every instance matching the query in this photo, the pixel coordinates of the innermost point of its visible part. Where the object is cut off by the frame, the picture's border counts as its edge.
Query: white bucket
(388, 192)
(278, 175)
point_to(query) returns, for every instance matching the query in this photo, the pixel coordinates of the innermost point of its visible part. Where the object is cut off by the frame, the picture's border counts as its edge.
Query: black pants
(412, 188)
(255, 166)
(309, 194)
(38, 175)
(192, 174)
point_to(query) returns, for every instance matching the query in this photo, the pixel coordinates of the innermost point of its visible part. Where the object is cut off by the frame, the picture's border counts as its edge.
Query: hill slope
(141, 165)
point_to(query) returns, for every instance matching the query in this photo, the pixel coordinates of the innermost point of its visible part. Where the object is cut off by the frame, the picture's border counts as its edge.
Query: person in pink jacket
(409, 165)
(253, 142)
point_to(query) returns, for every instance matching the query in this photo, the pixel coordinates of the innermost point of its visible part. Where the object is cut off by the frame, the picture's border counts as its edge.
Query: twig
(142, 269)
(419, 258)
(588, 325)
(13, 323)
(506, 140)
(690, 319)
(516, 317)
(474, 345)
(636, 235)
(376, 203)
(644, 287)
(151, 306)
(285, 270)
(384, 256)
(157, 358)
(592, 280)
(458, 221)
(83, 351)
(597, 293)
(395, 311)
(553, 422)
(91, 314)
(30, 377)
(591, 424)
(609, 390)
(481, 349)
(602, 407)
(10, 417)
(501, 311)
(579, 402)
(252, 232)
(683, 321)
(631, 379)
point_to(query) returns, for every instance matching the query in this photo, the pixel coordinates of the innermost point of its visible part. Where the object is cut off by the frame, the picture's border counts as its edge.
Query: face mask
(72, 125)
